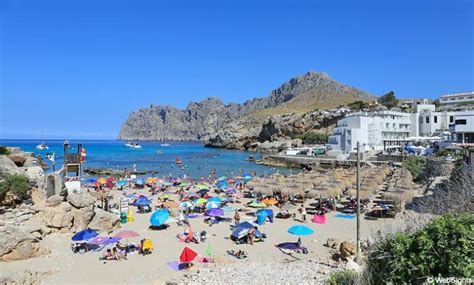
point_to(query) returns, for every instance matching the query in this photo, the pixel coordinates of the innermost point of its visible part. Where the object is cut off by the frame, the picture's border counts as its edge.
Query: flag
(209, 249)
(50, 156)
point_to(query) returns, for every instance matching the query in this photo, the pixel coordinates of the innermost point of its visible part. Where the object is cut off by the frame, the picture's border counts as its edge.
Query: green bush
(18, 184)
(443, 248)
(314, 138)
(358, 105)
(343, 277)
(415, 164)
(4, 150)
(389, 100)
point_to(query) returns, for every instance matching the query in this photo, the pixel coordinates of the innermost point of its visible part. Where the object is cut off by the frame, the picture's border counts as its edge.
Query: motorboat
(42, 146)
(165, 144)
(179, 161)
(133, 145)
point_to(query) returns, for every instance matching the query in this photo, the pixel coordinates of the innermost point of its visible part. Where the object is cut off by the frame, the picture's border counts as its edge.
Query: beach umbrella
(230, 191)
(214, 212)
(101, 180)
(202, 192)
(271, 201)
(109, 184)
(254, 204)
(186, 205)
(84, 234)
(202, 186)
(214, 199)
(263, 214)
(151, 180)
(127, 234)
(222, 178)
(300, 230)
(111, 179)
(139, 181)
(187, 255)
(247, 177)
(159, 217)
(122, 183)
(142, 201)
(183, 184)
(199, 201)
(244, 225)
(171, 204)
(131, 196)
(91, 181)
(164, 197)
(211, 205)
(231, 180)
(167, 183)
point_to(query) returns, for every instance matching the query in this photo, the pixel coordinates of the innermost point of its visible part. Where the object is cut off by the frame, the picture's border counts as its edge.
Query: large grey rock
(18, 244)
(8, 166)
(104, 221)
(57, 218)
(203, 120)
(82, 217)
(34, 173)
(54, 200)
(80, 200)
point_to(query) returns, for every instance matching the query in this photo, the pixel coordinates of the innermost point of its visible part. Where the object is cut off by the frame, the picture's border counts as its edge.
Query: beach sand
(70, 268)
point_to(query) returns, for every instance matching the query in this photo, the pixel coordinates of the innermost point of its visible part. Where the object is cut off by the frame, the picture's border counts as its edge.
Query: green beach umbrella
(183, 184)
(202, 186)
(200, 201)
(258, 205)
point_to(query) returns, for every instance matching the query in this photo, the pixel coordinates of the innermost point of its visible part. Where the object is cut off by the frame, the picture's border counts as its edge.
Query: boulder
(34, 173)
(8, 166)
(17, 159)
(57, 218)
(332, 243)
(25, 278)
(83, 216)
(104, 221)
(19, 244)
(347, 249)
(54, 200)
(80, 200)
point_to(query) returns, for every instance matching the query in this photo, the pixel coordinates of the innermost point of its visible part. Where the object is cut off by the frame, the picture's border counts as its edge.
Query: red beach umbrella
(187, 255)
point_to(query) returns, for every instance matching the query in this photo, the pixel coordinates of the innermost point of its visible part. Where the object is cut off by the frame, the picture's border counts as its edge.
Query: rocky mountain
(203, 120)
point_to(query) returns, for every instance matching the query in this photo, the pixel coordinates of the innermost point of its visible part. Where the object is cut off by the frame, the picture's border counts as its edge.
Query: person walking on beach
(303, 213)
(237, 218)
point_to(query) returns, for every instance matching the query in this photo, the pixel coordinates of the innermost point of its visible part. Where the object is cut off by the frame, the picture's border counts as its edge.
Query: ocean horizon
(153, 158)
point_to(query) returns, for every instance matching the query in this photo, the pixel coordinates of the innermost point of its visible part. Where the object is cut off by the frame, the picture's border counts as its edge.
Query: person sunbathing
(108, 255)
(239, 254)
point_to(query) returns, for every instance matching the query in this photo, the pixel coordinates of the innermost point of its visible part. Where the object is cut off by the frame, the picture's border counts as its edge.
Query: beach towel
(193, 216)
(174, 265)
(319, 219)
(345, 216)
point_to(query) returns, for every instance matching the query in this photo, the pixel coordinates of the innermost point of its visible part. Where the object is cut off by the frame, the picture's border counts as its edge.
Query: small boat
(159, 152)
(179, 161)
(165, 144)
(133, 145)
(42, 146)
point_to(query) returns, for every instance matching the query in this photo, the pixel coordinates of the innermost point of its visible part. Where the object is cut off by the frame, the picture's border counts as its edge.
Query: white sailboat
(42, 145)
(133, 145)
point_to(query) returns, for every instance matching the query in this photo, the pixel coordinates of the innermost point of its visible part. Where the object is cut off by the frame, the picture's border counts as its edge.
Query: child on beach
(303, 213)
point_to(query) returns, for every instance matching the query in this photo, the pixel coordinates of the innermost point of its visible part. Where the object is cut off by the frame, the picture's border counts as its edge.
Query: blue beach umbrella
(214, 199)
(300, 230)
(222, 178)
(244, 225)
(84, 234)
(186, 204)
(91, 181)
(159, 217)
(211, 205)
(142, 201)
(139, 181)
(122, 183)
(262, 215)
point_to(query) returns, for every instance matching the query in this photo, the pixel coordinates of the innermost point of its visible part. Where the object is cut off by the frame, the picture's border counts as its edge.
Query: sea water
(153, 157)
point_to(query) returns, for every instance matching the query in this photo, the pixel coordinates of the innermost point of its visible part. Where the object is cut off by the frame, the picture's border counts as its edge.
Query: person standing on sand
(237, 218)
(303, 213)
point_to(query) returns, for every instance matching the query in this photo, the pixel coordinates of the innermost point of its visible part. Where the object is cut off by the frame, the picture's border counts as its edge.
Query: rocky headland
(260, 124)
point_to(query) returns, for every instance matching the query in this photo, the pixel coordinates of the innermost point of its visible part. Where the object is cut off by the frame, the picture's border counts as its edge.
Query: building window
(460, 122)
(451, 119)
(427, 120)
(435, 118)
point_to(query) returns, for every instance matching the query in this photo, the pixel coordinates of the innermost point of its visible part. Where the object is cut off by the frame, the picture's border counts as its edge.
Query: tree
(18, 184)
(358, 105)
(388, 100)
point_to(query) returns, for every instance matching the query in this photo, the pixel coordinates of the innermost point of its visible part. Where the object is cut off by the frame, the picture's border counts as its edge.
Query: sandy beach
(66, 267)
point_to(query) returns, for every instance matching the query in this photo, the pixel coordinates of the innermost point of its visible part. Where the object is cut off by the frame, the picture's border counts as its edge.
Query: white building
(463, 127)
(457, 98)
(373, 131)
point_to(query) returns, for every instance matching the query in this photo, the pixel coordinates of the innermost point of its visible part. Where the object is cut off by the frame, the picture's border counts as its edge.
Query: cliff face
(204, 120)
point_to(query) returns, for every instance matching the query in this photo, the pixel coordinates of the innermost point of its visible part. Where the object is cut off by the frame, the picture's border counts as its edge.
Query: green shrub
(358, 105)
(4, 150)
(343, 277)
(389, 100)
(314, 138)
(443, 248)
(18, 184)
(415, 164)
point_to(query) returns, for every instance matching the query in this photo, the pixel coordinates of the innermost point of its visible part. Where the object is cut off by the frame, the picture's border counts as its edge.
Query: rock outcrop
(203, 120)
(104, 222)
(18, 244)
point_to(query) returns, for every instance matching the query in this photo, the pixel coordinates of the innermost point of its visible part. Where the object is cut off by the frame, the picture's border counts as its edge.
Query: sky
(75, 69)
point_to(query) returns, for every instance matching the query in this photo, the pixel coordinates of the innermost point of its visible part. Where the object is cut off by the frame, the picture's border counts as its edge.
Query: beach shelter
(214, 212)
(211, 205)
(84, 234)
(262, 216)
(187, 255)
(244, 225)
(199, 201)
(101, 180)
(214, 199)
(256, 204)
(300, 230)
(270, 202)
(159, 217)
(142, 201)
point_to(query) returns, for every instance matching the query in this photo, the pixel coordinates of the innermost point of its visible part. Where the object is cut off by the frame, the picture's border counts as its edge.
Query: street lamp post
(358, 200)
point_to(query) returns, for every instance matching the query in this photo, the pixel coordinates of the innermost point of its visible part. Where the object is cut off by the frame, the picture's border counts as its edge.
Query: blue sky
(77, 68)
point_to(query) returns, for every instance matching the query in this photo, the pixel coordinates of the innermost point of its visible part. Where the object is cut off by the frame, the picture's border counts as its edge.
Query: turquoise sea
(197, 160)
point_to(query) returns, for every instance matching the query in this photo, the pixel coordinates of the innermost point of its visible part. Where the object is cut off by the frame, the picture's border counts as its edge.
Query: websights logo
(449, 280)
